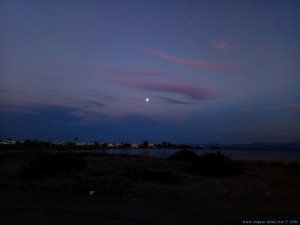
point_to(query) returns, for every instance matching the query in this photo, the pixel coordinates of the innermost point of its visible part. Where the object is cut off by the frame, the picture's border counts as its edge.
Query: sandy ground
(123, 194)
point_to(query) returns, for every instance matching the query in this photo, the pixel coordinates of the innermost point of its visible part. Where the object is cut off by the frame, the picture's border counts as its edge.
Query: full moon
(147, 99)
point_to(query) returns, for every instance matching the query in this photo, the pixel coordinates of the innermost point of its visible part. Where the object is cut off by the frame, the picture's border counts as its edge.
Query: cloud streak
(295, 106)
(95, 103)
(190, 90)
(193, 63)
(55, 113)
(221, 45)
(134, 72)
(174, 101)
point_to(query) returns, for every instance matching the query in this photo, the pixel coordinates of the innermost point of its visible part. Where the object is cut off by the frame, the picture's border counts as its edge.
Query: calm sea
(273, 155)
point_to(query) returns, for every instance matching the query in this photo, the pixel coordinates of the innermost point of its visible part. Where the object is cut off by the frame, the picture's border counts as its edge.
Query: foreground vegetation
(56, 164)
(185, 189)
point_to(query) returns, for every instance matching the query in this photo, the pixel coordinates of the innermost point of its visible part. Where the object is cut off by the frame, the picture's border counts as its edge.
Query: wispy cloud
(194, 63)
(190, 90)
(91, 116)
(134, 72)
(295, 106)
(55, 113)
(95, 103)
(174, 101)
(221, 44)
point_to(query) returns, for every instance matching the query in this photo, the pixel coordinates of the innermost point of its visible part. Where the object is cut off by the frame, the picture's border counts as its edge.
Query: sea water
(271, 155)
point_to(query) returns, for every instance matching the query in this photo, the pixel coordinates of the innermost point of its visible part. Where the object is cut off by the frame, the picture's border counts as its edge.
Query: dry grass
(264, 190)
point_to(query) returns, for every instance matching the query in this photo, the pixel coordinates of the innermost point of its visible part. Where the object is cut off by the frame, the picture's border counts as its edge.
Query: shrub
(184, 156)
(214, 164)
(52, 165)
(294, 165)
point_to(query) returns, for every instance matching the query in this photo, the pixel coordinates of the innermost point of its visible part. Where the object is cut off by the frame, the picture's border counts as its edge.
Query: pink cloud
(221, 45)
(193, 63)
(295, 106)
(187, 89)
(134, 72)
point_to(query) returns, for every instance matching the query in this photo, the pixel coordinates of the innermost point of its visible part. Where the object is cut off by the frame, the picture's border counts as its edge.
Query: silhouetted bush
(294, 165)
(214, 164)
(52, 165)
(184, 156)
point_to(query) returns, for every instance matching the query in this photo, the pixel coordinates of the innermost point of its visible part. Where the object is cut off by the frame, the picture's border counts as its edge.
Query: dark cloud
(96, 103)
(190, 90)
(175, 101)
(294, 106)
(56, 113)
(92, 115)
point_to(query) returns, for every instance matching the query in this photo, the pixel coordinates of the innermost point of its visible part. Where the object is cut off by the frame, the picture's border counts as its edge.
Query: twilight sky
(214, 71)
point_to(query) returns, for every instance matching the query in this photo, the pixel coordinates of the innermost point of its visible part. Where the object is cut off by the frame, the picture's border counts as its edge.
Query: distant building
(80, 143)
(8, 142)
(118, 145)
(62, 143)
(111, 145)
(151, 145)
(134, 145)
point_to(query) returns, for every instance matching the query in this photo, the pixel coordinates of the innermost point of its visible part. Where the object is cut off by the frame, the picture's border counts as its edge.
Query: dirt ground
(124, 190)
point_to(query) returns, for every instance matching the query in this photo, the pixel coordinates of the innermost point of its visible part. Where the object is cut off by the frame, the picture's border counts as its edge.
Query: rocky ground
(123, 190)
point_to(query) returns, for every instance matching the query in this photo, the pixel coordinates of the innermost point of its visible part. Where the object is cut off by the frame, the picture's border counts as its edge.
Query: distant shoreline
(163, 153)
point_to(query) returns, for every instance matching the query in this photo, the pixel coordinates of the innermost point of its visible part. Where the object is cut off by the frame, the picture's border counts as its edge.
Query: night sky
(213, 71)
